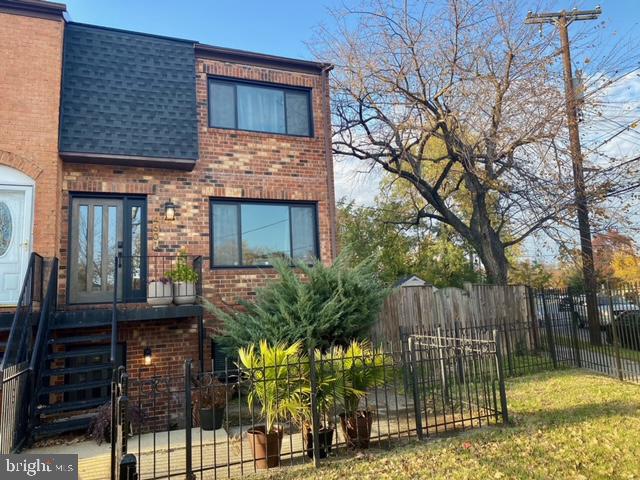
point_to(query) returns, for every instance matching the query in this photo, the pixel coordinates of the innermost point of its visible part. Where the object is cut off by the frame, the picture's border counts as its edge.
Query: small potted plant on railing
(276, 383)
(363, 368)
(184, 279)
(160, 292)
(212, 400)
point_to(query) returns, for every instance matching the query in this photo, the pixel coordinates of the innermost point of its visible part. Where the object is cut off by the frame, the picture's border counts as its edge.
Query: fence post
(114, 421)
(502, 387)
(549, 330)
(403, 353)
(188, 423)
(459, 347)
(574, 337)
(315, 415)
(443, 375)
(614, 335)
(416, 396)
(128, 467)
(533, 318)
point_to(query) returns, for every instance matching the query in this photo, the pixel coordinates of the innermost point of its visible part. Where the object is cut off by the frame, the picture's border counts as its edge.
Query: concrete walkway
(215, 454)
(94, 460)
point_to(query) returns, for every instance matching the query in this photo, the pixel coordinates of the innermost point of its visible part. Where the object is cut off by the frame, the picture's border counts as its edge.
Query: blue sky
(282, 27)
(279, 27)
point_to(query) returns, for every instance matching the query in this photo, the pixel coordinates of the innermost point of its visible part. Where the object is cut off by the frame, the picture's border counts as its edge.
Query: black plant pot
(211, 419)
(325, 437)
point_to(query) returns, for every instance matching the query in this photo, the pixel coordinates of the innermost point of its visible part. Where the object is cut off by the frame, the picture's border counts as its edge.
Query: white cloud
(356, 181)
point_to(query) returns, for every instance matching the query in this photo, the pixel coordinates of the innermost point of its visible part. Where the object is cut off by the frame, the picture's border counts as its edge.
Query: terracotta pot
(325, 437)
(356, 428)
(184, 293)
(159, 294)
(265, 446)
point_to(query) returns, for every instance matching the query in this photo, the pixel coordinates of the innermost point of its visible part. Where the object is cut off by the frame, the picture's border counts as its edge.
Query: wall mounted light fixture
(147, 356)
(170, 210)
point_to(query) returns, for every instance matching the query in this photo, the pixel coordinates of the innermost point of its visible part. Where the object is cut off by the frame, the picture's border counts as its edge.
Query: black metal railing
(17, 376)
(310, 405)
(37, 362)
(19, 342)
(159, 280)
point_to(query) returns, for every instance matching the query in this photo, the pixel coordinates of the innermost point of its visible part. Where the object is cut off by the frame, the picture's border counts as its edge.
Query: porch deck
(95, 317)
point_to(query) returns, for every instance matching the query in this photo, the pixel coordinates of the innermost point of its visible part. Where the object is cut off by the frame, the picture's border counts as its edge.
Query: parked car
(620, 305)
(627, 329)
(557, 307)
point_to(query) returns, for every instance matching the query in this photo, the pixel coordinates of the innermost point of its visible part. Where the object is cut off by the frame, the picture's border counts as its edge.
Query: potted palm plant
(160, 292)
(184, 280)
(330, 388)
(363, 368)
(275, 374)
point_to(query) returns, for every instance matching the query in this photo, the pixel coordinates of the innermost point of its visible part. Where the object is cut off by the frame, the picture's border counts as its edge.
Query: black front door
(101, 229)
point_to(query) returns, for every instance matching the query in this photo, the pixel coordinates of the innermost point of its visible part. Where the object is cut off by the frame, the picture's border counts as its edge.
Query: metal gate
(457, 383)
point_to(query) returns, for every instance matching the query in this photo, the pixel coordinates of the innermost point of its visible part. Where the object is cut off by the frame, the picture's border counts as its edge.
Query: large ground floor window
(100, 229)
(250, 233)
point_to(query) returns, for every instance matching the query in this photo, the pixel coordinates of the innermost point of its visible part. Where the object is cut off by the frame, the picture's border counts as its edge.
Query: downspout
(331, 196)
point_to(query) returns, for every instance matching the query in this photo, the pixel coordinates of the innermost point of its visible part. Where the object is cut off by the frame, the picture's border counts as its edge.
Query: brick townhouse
(118, 151)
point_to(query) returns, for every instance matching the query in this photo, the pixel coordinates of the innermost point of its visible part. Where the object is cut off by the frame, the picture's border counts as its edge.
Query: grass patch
(569, 425)
(604, 350)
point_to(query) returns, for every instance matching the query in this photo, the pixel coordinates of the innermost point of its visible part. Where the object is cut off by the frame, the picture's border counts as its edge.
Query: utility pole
(562, 20)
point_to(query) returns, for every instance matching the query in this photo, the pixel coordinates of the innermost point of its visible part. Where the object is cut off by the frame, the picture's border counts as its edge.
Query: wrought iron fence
(15, 374)
(14, 405)
(273, 408)
(615, 350)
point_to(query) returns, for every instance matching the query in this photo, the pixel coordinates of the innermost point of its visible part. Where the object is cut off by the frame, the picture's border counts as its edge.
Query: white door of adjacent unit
(15, 239)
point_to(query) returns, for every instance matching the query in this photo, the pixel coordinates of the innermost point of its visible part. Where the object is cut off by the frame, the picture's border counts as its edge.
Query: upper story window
(259, 107)
(250, 233)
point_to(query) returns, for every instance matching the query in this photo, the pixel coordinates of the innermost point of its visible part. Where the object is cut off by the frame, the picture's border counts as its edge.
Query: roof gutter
(232, 55)
(33, 8)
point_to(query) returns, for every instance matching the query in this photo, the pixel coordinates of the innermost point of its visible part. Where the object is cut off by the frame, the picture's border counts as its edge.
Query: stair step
(71, 406)
(81, 352)
(80, 339)
(62, 426)
(74, 387)
(82, 369)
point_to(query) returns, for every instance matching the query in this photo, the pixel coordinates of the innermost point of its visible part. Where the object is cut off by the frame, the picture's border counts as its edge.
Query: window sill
(257, 134)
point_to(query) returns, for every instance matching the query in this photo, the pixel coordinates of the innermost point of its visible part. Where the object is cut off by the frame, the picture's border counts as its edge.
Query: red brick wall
(172, 342)
(30, 72)
(231, 164)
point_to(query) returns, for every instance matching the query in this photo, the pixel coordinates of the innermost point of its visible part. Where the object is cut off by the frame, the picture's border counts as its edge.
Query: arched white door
(16, 226)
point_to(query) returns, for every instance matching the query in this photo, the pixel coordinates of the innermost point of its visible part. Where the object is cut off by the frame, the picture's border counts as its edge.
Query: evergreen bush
(320, 305)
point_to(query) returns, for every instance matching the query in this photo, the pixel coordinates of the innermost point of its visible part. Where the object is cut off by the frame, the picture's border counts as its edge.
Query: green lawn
(566, 425)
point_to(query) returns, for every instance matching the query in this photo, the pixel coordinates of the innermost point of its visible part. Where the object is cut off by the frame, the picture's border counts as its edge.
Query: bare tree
(458, 95)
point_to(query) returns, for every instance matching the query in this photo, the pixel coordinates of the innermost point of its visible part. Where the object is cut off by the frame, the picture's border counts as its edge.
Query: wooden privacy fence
(427, 308)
